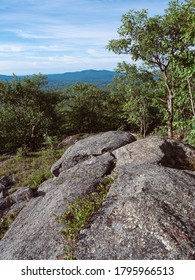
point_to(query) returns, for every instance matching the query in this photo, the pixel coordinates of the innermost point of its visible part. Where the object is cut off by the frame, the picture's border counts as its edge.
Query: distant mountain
(97, 77)
(5, 78)
(57, 81)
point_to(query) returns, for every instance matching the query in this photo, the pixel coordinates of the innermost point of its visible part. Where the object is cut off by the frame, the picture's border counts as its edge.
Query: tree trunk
(170, 115)
(170, 112)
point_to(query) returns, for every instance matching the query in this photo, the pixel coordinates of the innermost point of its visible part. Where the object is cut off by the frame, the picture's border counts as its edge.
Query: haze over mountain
(97, 77)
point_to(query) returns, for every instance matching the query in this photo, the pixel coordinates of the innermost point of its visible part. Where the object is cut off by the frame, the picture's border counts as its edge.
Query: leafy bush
(191, 135)
(86, 109)
(27, 112)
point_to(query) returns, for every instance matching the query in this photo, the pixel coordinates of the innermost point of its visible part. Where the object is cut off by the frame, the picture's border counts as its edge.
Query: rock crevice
(148, 212)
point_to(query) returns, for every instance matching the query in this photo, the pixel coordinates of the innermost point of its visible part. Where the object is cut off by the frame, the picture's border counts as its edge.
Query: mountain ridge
(61, 80)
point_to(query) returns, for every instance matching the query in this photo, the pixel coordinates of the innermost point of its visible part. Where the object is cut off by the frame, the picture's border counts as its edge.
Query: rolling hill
(57, 81)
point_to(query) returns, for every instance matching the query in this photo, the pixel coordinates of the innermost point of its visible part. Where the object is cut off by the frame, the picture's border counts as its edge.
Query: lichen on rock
(148, 212)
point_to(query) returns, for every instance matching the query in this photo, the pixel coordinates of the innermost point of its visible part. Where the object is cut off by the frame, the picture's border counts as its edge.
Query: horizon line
(10, 75)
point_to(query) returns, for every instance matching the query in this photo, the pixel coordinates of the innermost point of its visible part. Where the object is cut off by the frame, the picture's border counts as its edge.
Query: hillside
(96, 77)
(111, 197)
(5, 78)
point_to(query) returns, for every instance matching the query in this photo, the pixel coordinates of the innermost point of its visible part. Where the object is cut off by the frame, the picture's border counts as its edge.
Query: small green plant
(30, 170)
(5, 223)
(38, 177)
(51, 142)
(191, 135)
(26, 170)
(22, 152)
(79, 213)
(161, 131)
(3, 227)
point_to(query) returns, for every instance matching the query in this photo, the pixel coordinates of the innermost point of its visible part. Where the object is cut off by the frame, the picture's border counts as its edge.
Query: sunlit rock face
(148, 212)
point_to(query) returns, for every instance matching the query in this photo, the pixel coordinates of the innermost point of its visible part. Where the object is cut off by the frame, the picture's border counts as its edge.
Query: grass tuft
(78, 215)
(29, 169)
(26, 169)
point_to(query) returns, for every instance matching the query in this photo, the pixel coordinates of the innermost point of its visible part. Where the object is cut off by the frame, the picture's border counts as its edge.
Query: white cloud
(100, 53)
(28, 35)
(59, 64)
(63, 32)
(11, 48)
(63, 35)
(17, 49)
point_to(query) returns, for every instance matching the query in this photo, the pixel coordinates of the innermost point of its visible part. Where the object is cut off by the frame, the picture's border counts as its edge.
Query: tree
(136, 88)
(85, 108)
(158, 41)
(27, 112)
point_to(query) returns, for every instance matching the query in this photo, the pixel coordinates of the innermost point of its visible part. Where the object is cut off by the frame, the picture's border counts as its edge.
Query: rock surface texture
(149, 212)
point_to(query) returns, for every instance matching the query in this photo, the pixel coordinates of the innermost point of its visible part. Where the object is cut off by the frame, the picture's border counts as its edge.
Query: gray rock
(94, 145)
(149, 211)
(70, 140)
(15, 208)
(2, 190)
(5, 203)
(147, 214)
(22, 194)
(20, 197)
(7, 181)
(35, 232)
(157, 150)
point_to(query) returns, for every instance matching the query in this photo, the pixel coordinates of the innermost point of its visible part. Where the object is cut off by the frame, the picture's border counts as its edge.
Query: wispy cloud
(62, 35)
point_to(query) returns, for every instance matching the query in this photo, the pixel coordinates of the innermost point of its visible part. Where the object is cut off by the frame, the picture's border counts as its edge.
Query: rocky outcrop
(5, 184)
(92, 146)
(149, 211)
(35, 232)
(12, 200)
(147, 214)
(70, 140)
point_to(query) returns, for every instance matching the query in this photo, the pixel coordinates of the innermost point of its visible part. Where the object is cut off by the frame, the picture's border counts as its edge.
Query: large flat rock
(148, 214)
(94, 145)
(35, 234)
(149, 211)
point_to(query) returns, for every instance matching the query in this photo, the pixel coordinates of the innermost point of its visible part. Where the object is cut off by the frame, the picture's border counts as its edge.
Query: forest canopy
(157, 97)
(165, 43)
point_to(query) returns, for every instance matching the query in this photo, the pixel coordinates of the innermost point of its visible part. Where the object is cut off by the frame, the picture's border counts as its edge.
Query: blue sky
(57, 36)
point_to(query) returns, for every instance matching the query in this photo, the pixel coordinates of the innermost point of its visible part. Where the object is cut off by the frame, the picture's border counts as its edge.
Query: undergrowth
(26, 169)
(78, 215)
(5, 223)
(29, 168)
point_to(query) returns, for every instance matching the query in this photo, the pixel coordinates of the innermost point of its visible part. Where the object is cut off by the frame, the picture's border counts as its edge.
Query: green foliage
(5, 223)
(26, 169)
(27, 112)
(160, 42)
(38, 177)
(141, 99)
(78, 215)
(161, 131)
(51, 142)
(191, 135)
(86, 109)
(137, 92)
(22, 152)
(31, 169)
